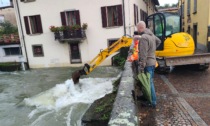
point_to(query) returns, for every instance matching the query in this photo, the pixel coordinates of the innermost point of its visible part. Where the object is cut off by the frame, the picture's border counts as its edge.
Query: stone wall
(124, 110)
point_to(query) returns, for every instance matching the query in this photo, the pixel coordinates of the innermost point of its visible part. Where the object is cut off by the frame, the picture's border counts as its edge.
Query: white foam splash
(87, 91)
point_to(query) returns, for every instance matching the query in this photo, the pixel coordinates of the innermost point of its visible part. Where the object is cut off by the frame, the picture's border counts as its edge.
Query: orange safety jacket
(135, 55)
(135, 52)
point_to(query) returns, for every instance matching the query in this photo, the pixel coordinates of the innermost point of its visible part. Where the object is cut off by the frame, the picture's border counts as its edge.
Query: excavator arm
(103, 54)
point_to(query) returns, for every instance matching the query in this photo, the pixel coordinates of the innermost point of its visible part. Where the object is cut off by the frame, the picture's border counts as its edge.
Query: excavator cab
(163, 25)
(174, 43)
(167, 27)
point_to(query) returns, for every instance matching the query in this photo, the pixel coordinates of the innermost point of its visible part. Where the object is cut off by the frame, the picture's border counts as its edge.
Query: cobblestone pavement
(183, 99)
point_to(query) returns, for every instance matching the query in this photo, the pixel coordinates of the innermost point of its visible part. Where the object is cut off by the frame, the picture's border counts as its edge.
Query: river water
(48, 97)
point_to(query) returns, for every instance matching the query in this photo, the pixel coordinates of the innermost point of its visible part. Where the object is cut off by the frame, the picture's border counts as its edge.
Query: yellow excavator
(174, 44)
(122, 42)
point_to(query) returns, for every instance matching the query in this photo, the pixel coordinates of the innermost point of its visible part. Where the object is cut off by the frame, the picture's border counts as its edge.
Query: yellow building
(196, 21)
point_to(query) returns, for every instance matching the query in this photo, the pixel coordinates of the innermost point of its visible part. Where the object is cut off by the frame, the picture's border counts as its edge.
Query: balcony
(70, 35)
(9, 39)
(74, 33)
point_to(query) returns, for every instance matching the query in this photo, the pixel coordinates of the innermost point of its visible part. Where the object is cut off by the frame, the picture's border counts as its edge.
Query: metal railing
(70, 34)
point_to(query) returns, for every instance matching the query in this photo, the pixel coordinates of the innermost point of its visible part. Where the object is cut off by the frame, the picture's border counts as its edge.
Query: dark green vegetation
(7, 28)
(100, 111)
(9, 66)
(120, 58)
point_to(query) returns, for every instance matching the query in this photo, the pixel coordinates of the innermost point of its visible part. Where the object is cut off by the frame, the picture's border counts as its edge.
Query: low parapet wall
(124, 110)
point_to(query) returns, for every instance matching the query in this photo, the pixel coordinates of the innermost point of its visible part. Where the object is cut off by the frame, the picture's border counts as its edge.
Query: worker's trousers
(150, 70)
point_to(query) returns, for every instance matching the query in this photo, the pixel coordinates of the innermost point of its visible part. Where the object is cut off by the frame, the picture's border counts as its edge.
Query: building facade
(106, 22)
(10, 49)
(8, 14)
(196, 21)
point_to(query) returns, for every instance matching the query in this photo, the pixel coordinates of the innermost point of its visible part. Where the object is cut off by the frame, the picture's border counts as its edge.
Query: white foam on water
(40, 118)
(68, 120)
(87, 91)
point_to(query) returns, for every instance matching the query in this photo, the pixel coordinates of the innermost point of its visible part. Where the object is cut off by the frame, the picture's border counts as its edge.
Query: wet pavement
(183, 99)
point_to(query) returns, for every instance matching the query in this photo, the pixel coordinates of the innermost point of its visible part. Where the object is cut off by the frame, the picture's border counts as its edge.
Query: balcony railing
(9, 39)
(70, 35)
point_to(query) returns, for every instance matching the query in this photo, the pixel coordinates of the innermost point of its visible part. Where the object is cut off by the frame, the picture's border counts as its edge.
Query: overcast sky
(163, 2)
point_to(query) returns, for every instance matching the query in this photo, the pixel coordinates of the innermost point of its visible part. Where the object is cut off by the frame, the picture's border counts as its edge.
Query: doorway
(75, 53)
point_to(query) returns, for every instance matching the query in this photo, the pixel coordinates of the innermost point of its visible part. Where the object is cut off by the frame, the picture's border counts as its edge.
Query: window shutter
(104, 17)
(134, 13)
(137, 14)
(141, 14)
(195, 5)
(77, 17)
(63, 18)
(146, 15)
(39, 24)
(188, 7)
(26, 25)
(120, 16)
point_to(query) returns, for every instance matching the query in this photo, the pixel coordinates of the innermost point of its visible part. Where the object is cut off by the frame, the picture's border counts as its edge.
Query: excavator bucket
(76, 76)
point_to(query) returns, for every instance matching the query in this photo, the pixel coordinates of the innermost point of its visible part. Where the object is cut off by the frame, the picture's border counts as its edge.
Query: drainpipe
(129, 26)
(208, 30)
(21, 27)
(147, 8)
(123, 4)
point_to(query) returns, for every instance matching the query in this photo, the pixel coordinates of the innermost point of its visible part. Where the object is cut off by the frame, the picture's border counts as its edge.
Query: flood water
(48, 97)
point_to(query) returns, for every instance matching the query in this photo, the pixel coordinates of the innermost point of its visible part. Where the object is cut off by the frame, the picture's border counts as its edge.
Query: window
(143, 15)
(188, 7)
(195, 7)
(37, 50)
(158, 29)
(208, 31)
(112, 16)
(111, 41)
(75, 53)
(69, 18)
(6, 4)
(33, 24)
(172, 24)
(12, 51)
(136, 14)
(25, 1)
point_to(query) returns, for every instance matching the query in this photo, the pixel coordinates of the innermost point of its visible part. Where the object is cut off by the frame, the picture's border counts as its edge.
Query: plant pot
(57, 35)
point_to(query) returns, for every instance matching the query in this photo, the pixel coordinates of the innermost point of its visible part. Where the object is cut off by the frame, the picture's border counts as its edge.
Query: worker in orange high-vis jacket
(134, 50)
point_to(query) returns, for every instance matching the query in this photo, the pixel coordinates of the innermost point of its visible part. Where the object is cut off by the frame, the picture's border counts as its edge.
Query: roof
(168, 9)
